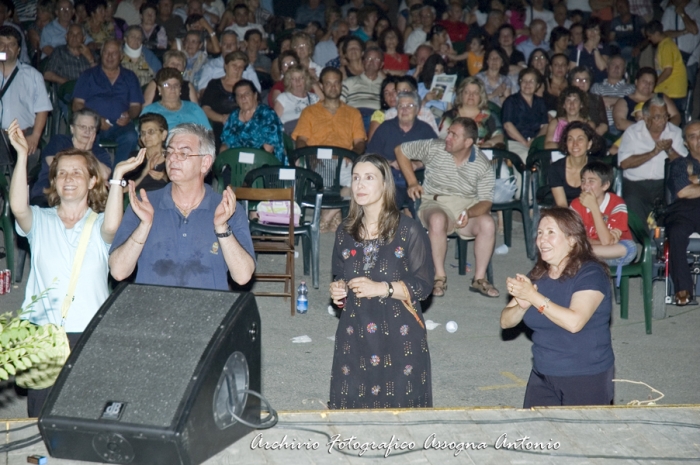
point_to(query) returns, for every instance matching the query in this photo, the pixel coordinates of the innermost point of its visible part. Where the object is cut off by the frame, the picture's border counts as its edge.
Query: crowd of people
(416, 96)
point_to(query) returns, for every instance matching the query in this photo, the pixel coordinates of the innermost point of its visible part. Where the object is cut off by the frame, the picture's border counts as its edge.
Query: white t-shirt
(293, 105)
(637, 140)
(53, 250)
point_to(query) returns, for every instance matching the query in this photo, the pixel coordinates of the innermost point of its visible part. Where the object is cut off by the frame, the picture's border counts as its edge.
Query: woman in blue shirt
(253, 124)
(176, 111)
(566, 302)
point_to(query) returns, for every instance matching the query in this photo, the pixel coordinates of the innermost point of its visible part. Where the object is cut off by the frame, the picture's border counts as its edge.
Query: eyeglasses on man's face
(182, 156)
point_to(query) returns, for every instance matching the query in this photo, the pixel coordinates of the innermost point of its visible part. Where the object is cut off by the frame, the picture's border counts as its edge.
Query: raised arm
(114, 209)
(122, 261)
(19, 190)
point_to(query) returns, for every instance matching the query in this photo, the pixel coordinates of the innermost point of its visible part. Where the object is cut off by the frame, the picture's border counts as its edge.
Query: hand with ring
(366, 288)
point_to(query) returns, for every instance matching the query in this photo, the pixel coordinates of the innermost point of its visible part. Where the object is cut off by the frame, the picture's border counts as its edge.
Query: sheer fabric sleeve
(421, 272)
(338, 266)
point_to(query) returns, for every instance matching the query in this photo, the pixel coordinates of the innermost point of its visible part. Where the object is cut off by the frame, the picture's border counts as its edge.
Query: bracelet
(543, 306)
(226, 233)
(381, 299)
(139, 243)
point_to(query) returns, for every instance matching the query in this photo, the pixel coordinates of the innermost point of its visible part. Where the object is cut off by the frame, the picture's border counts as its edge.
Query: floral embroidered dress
(264, 127)
(381, 355)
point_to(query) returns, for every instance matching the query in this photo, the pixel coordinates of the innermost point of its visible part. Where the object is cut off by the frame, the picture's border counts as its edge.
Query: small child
(604, 215)
(475, 55)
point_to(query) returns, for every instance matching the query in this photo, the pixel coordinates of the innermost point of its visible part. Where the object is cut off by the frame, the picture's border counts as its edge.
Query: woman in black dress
(382, 269)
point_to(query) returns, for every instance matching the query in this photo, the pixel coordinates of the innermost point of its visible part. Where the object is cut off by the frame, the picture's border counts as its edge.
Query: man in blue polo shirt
(394, 132)
(114, 93)
(185, 234)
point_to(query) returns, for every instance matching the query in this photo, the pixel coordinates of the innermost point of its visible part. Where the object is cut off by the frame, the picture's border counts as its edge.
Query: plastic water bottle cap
(451, 326)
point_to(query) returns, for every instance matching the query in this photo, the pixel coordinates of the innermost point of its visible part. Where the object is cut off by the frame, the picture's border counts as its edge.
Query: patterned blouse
(488, 123)
(264, 127)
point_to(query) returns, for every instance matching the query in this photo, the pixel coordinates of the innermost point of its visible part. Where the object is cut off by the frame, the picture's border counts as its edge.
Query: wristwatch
(118, 182)
(226, 233)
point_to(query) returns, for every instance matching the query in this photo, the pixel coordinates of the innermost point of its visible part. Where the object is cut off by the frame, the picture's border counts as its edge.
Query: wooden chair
(278, 244)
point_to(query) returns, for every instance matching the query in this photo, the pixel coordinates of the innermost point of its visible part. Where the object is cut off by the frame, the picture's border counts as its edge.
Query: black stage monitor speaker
(158, 379)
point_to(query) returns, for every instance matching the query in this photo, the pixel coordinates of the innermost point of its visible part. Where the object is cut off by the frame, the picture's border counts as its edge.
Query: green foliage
(24, 344)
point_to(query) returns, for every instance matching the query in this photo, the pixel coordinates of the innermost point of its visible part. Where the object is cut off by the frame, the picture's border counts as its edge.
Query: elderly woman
(83, 127)
(96, 27)
(153, 132)
(253, 124)
(172, 59)
(473, 103)
(304, 48)
(171, 106)
(495, 77)
(138, 58)
(580, 77)
(79, 206)
(155, 36)
(573, 106)
(524, 114)
(219, 101)
(577, 141)
(379, 290)
(391, 87)
(196, 57)
(566, 301)
(296, 97)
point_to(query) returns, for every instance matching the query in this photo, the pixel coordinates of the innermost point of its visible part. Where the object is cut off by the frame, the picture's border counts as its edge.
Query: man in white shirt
(241, 24)
(419, 35)
(644, 148)
(536, 10)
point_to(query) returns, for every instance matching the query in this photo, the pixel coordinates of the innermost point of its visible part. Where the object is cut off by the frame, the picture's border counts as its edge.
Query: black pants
(544, 390)
(37, 397)
(682, 220)
(641, 195)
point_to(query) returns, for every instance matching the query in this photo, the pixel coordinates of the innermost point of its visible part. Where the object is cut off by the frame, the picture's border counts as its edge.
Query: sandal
(482, 286)
(439, 286)
(682, 298)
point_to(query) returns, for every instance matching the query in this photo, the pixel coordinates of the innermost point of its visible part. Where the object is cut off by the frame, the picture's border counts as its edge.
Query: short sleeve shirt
(320, 127)
(558, 352)
(678, 174)
(181, 251)
(473, 179)
(614, 212)
(526, 119)
(107, 99)
(669, 56)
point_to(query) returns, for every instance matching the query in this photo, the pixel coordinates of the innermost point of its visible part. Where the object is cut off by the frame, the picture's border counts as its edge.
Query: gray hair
(690, 123)
(337, 23)
(412, 95)
(205, 136)
(134, 28)
(85, 112)
(656, 101)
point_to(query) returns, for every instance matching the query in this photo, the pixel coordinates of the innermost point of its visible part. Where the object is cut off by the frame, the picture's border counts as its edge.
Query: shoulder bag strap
(9, 81)
(77, 265)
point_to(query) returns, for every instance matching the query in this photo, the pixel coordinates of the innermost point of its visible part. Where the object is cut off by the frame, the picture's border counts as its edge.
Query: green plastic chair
(642, 267)
(229, 171)
(6, 224)
(495, 109)
(536, 145)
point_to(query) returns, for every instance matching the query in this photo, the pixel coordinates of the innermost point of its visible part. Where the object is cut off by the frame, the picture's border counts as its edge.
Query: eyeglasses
(166, 85)
(538, 58)
(150, 132)
(581, 80)
(180, 156)
(84, 128)
(406, 106)
(659, 117)
(65, 9)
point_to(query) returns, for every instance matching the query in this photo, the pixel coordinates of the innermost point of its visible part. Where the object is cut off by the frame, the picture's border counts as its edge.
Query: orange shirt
(320, 127)
(474, 63)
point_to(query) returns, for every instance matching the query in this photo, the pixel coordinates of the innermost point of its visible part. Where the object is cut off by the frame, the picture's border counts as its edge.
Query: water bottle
(302, 298)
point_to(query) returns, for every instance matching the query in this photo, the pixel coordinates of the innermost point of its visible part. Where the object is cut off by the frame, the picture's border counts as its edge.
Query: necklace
(186, 211)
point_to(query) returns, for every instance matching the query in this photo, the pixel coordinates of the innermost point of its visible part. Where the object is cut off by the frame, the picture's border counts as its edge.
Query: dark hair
(582, 96)
(153, 118)
(593, 137)
(249, 84)
(380, 18)
(240, 6)
(572, 226)
(389, 216)
(97, 196)
(91, 6)
(426, 75)
(592, 23)
(193, 19)
(529, 70)
(556, 34)
(601, 169)
(640, 72)
(410, 80)
(9, 31)
(654, 27)
(348, 39)
(382, 39)
(148, 5)
(505, 62)
(165, 74)
(505, 26)
(251, 32)
(436, 29)
(237, 55)
(531, 58)
(285, 54)
(387, 80)
(577, 70)
(471, 130)
(327, 70)
(10, 5)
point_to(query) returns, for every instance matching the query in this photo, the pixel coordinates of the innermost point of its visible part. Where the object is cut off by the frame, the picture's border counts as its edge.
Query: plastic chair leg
(647, 289)
(507, 227)
(624, 297)
(306, 244)
(462, 248)
(315, 262)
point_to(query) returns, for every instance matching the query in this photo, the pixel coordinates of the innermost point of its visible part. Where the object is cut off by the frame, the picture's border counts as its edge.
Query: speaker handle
(268, 422)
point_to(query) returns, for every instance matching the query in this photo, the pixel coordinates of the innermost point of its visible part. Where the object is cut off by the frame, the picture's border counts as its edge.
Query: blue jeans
(126, 139)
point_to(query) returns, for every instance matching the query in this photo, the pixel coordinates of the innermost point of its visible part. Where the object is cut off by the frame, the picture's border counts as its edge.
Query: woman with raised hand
(77, 197)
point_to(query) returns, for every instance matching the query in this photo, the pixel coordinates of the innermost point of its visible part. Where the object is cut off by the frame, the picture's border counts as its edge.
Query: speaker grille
(148, 334)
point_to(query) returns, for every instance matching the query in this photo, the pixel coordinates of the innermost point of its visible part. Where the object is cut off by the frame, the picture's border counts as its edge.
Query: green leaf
(20, 366)
(3, 374)
(27, 362)
(10, 368)
(34, 358)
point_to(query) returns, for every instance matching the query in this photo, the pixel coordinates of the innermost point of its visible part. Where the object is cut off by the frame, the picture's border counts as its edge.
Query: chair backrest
(259, 195)
(638, 228)
(616, 186)
(495, 109)
(328, 168)
(536, 145)
(305, 182)
(538, 164)
(232, 165)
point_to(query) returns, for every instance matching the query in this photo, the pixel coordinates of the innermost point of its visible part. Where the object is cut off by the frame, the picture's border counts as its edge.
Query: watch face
(123, 183)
